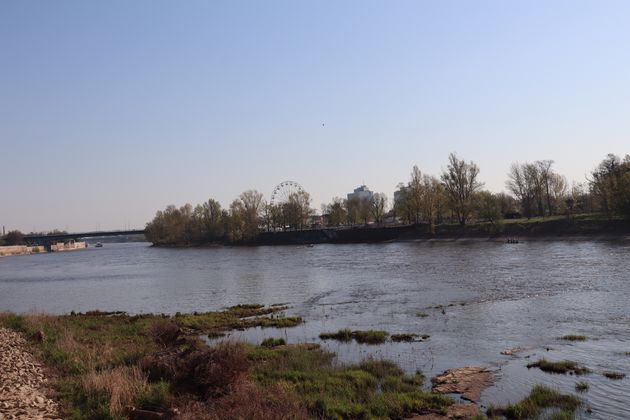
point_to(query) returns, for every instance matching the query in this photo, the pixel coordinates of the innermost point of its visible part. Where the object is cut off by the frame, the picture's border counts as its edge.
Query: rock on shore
(22, 382)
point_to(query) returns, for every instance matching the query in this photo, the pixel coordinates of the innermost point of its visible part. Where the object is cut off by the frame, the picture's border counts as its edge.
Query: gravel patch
(22, 382)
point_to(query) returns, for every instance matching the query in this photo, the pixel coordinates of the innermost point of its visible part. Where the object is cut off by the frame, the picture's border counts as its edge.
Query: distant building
(398, 195)
(361, 193)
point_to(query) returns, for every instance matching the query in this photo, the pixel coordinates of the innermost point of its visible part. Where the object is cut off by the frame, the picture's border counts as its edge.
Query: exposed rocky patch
(468, 381)
(22, 382)
(514, 350)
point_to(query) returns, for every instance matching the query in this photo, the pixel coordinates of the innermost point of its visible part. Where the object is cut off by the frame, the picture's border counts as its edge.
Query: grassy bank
(588, 224)
(114, 366)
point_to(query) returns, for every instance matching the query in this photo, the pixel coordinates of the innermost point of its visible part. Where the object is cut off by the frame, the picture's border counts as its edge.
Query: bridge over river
(48, 239)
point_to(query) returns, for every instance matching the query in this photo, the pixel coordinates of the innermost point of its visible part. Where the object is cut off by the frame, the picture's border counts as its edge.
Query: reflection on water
(500, 296)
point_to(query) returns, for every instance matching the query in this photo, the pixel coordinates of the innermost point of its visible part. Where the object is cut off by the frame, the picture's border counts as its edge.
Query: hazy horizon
(111, 111)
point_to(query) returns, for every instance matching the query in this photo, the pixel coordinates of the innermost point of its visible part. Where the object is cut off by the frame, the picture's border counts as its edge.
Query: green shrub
(273, 342)
(156, 397)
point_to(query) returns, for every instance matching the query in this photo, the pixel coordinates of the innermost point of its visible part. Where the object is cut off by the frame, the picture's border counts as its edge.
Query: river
(494, 296)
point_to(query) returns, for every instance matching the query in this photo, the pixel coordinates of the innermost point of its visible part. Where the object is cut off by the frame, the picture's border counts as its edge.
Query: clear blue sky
(111, 110)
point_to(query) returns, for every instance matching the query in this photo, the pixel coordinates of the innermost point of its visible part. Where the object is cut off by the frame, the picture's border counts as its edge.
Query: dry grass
(198, 369)
(165, 332)
(121, 386)
(272, 402)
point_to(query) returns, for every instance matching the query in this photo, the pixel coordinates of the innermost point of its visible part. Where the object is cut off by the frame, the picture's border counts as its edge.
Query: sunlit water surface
(495, 297)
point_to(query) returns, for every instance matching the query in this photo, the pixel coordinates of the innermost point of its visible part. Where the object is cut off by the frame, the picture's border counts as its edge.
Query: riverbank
(8, 251)
(579, 227)
(556, 228)
(14, 250)
(112, 365)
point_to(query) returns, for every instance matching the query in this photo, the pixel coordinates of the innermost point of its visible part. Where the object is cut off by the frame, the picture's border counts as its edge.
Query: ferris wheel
(283, 191)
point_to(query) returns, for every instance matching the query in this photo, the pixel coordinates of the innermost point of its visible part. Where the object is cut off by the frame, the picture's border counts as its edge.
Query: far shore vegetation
(539, 200)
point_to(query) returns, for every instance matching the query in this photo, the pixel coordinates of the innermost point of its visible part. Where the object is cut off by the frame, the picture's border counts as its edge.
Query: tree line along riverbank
(115, 366)
(581, 226)
(539, 202)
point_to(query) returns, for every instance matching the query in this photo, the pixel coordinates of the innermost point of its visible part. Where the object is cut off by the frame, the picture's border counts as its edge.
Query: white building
(361, 193)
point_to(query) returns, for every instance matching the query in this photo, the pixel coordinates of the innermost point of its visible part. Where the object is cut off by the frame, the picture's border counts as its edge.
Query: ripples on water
(502, 296)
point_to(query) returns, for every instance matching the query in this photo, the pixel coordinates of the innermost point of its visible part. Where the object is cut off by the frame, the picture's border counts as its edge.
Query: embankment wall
(71, 246)
(6, 251)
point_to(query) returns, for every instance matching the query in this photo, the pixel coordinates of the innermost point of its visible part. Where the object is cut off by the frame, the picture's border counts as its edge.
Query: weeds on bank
(581, 386)
(541, 398)
(573, 337)
(110, 364)
(238, 317)
(344, 335)
(404, 337)
(614, 375)
(363, 337)
(273, 342)
(97, 356)
(564, 366)
(370, 336)
(372, 389)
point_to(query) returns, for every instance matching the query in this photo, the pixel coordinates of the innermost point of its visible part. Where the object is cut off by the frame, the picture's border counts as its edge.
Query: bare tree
(432, 193)
(267, 215)
(252, 201)
(537, 187)
(546, 176)
(353, 210)
(460, 183)
(378, 204)
(237, 221)
(518, 184)
(402, 208)
(414, 194)
(557, 193)
(297, 210)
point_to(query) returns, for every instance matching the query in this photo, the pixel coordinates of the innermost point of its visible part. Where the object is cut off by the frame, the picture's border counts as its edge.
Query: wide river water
(494, 296)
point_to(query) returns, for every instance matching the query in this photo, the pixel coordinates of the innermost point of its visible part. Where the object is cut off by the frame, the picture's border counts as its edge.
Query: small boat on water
(98, 245)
